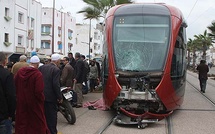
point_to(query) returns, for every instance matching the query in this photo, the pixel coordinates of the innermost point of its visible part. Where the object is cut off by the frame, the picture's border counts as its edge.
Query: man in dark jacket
(86, 74)
(7, 97)
(71, 60)
(203, 74)
(79, 78)
(51, 77)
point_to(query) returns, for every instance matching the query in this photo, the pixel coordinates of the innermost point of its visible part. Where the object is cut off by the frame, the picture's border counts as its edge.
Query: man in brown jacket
(67, 75)
(22, 63)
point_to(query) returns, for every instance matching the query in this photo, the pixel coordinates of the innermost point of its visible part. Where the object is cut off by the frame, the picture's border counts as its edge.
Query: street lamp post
(88, 45)
(89, 38)
(53, 26)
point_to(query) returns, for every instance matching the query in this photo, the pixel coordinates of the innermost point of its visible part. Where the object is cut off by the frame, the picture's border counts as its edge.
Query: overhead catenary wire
(191, 10)
(201, 15)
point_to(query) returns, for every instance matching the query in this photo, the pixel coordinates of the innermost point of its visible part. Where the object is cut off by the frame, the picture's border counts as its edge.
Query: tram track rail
(205, 96)
(168, 120)
(208, 82)
(102, 129)
(173, 124)
(169, 125)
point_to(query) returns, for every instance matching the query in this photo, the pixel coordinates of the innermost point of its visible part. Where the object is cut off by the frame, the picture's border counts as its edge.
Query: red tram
(144, 61)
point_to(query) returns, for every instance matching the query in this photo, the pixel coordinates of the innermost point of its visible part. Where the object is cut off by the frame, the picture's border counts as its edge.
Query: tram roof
(158, 9)
(147, 8)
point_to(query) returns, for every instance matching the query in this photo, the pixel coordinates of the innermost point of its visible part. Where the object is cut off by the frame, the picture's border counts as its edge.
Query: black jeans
(203, 83)
(51, 116)
(6, 126)
(93, 83)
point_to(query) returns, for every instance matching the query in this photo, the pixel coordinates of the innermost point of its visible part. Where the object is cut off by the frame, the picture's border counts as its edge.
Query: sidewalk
(212, 71)
(195, 80)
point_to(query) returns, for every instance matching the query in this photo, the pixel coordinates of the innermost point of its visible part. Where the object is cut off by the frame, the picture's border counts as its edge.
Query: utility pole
(53, 17)
(89, 38)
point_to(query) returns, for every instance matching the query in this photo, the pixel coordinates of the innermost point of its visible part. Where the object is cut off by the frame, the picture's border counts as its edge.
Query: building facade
(62, 34)
(20, 27)
(27, 27)
(83, 39)
(98, 40)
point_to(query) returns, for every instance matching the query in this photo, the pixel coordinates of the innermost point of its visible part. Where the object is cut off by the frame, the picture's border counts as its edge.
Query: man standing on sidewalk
(67, 75)
(30, 115)
(7, 97)
(51, 77)
(79, 78)
(71, 60)
(203, 74)
(22, 63)
(86, 74)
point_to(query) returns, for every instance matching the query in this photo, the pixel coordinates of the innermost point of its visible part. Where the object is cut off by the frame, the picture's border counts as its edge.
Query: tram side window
(178, 59)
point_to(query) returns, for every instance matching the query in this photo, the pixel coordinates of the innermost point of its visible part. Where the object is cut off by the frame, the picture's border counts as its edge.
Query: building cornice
(20, 6)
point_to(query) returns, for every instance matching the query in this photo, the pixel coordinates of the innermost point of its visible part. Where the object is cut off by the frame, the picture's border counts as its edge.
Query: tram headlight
(116, 75)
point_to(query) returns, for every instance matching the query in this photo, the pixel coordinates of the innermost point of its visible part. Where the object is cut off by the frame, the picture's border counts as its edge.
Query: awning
(14, 57)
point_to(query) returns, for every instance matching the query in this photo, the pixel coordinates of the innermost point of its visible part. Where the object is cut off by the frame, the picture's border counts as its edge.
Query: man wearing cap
(51, 77)
(30, 115)
(22, 63)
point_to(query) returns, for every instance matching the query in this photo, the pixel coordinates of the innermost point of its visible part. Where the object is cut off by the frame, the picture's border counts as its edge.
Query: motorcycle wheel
(69, 112)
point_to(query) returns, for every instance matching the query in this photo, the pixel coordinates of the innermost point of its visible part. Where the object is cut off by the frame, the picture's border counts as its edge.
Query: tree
(99, 8)
(204, 41)
(93, 11)
(189, 50)
(212, 30)
(192, 47)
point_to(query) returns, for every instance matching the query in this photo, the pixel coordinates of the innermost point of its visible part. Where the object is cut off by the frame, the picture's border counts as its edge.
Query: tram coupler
(141, 125)
(139, 121)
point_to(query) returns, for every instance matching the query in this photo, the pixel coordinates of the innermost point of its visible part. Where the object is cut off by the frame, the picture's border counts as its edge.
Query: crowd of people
(30, 92)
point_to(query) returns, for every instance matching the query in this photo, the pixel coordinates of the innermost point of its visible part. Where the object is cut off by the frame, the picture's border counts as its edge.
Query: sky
(198, 13)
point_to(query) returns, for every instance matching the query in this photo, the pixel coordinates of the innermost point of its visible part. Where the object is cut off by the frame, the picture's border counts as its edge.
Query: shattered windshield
(140, 42)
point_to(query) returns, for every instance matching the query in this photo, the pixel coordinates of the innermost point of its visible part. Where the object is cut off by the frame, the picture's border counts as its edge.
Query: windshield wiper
(131, 70)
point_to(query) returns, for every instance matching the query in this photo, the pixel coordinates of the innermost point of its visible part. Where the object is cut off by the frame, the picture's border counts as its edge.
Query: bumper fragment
(146, 115)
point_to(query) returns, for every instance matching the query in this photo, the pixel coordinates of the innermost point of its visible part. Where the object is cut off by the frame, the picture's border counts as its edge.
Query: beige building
(82, 40)
(20, 27)
(60, 39)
